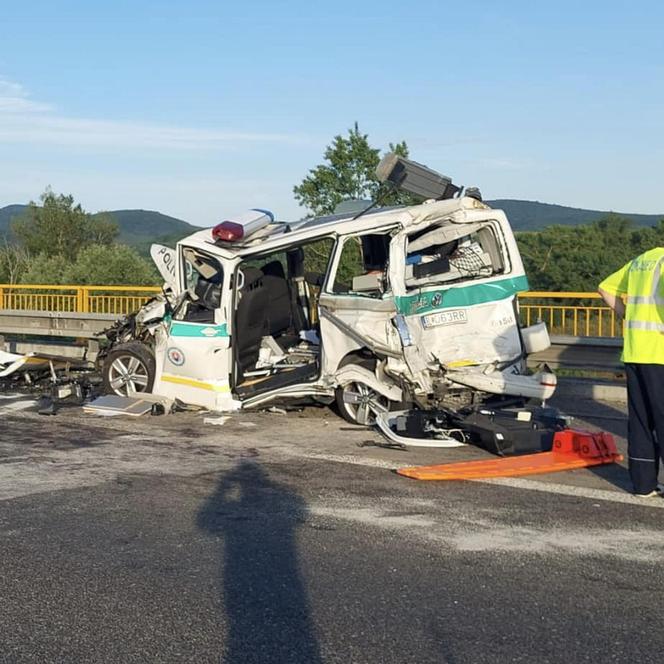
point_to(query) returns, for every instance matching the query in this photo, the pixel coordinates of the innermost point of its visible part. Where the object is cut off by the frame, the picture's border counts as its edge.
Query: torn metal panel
(394, 426)
(114, 405)
(540, 386)
(11, 363)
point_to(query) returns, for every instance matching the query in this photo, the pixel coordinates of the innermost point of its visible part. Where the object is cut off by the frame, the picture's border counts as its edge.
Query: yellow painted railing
(577, 314)
(84, 299)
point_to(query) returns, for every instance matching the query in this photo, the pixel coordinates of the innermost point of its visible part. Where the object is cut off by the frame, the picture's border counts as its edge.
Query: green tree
(349, 173)
(45, 269)
(577, 258)
(58, 227)
(115, 264)
(14, 261)
(96, 264)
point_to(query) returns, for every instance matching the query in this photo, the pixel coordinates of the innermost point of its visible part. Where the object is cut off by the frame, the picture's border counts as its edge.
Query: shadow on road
(266, 607)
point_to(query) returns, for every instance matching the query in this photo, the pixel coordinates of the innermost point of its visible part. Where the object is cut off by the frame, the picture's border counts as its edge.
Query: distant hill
(138, 228)
(533, 215)
(7, 213)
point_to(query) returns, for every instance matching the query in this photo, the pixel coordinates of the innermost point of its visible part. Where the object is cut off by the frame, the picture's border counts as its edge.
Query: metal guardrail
(118, 300)
(565, 313)
(570, 314)
(596, 354)
(68, 334)
(575, 352)
(54, 323)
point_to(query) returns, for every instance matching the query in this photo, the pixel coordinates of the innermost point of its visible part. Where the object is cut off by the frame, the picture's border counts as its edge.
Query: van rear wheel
(128, 369)
(359, 403)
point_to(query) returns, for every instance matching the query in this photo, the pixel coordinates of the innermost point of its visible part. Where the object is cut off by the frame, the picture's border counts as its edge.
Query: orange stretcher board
(571, 449)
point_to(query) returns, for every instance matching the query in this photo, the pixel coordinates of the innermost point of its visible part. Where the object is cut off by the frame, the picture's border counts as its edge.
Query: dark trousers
(645, 436)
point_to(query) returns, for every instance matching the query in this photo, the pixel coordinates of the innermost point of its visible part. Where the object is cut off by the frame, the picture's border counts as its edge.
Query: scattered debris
(218, 421)
(111, 405)
(418, 429)
(276, 409)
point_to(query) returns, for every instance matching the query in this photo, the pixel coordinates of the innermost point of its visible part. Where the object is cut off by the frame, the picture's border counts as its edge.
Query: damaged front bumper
(540, 386)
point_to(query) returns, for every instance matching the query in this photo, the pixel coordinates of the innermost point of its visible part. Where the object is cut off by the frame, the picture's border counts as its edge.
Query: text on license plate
(451, 317)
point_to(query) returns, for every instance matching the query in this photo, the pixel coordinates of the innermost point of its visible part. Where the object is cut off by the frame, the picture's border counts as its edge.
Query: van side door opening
(276, 334)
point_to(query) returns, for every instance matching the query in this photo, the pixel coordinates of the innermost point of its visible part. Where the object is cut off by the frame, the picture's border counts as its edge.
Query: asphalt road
(277, 538)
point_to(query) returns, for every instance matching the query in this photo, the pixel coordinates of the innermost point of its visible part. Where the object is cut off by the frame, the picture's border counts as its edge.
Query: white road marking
(11, 403)
(475, 532)
(514, 482)
(351, 459)
(576, 491)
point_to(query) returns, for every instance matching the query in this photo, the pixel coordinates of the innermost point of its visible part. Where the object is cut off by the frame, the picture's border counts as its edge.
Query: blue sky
(200, 109)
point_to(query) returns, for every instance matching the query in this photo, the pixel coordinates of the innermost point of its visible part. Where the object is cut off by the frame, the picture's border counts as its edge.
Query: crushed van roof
(285, 233)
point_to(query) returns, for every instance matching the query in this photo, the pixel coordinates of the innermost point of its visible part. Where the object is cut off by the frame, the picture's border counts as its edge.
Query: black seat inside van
(250, 320)
(278, 313)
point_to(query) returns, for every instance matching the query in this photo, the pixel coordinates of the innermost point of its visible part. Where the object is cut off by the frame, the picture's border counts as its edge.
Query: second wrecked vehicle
(412, 305)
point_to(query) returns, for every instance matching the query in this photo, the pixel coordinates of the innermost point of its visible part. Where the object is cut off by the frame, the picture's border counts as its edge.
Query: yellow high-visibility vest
(642, 281)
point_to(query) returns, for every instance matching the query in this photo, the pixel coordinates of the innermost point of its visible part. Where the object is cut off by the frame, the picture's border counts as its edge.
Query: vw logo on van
(437, 300)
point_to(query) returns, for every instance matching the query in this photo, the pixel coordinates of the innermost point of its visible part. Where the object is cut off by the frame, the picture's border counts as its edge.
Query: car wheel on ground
(357, 402)
(128, 369)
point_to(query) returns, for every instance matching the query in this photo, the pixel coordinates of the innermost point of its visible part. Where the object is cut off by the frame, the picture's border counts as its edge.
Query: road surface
(288, 538)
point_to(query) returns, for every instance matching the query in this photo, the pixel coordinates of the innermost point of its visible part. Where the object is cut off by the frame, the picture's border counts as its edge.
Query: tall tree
(14, 260)
(349, 173)
(58, 227)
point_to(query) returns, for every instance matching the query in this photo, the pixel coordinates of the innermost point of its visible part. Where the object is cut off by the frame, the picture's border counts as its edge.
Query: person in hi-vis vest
(642, 283)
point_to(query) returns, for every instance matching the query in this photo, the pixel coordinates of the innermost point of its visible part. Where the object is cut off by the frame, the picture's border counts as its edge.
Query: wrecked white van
(413, 305)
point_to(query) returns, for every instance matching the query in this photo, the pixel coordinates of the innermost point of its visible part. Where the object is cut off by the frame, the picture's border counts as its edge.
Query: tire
(128, 369)
(358, 403)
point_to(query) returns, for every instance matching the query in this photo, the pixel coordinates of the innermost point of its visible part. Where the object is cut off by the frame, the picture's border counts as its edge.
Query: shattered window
(203, 279)
(450, 253)
(362, 268)
(317, 259)
(269, 261)
(199, 266)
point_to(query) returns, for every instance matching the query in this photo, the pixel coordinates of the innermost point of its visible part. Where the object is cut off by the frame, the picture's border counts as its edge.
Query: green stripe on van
(179, 329)
(460, 296)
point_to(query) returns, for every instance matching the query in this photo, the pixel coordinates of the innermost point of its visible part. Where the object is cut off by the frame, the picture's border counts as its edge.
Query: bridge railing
(81, 299)
(577, 314)
(574, 314)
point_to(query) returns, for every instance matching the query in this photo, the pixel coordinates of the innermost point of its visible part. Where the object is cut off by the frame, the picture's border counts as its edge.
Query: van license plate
(451, 317)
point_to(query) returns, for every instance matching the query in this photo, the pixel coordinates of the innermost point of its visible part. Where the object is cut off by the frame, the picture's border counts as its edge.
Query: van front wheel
(128, 369)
